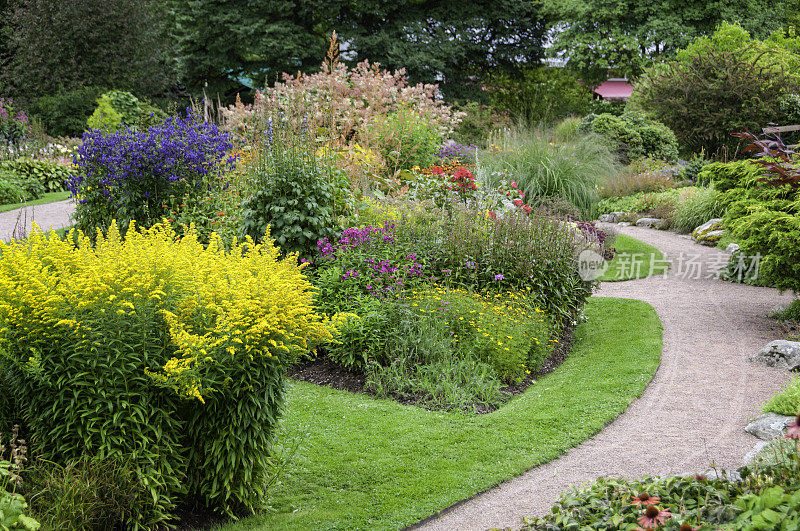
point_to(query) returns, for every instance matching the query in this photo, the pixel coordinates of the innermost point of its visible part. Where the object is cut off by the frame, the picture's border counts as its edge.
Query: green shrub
(11, 190)
(513, 252)
(726, 176)
(633, 135)
(478, 123)
(65, 113)
(157, 348)
(567, 129)
(787, 402)
(297, 204)
(539, 95)
(90, 493)
(117, 108)
(544, 166)
(643, 201)
(15, 188)
(104, 117)
(51, 174)
(404, 138)
(696, 208)
(718, 86)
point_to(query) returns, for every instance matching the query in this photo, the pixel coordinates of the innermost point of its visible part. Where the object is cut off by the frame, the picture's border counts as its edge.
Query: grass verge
(634, 259)
(366, 463)
(50, 197)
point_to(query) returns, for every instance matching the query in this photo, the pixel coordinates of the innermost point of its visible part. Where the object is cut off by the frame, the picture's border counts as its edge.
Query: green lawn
(375, 464)
(634, 259)
(50, 197)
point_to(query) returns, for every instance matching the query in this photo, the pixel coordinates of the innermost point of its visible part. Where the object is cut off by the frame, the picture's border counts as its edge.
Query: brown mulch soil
(323, 371)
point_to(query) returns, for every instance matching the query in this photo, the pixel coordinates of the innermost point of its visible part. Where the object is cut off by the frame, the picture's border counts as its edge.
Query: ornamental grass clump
(131, 175)
(159, 349)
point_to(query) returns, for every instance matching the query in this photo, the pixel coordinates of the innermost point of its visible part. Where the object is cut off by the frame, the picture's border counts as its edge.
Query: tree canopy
(71, 44)
(625, 36)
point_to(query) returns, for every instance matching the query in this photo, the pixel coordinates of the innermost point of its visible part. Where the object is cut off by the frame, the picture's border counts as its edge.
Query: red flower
(653, 516)
(518, 202)
(527, 209)
(513, 184)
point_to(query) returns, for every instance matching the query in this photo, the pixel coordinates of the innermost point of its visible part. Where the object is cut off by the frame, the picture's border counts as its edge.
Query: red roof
(614, 89)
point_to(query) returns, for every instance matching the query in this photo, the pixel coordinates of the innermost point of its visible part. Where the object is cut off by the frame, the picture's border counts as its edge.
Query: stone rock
(732, 248)
(779, 353)
(749, 456)
(613, 217)
(651, 223)
(624, 224)
(709, 232)
(769, 426)
(730, 475)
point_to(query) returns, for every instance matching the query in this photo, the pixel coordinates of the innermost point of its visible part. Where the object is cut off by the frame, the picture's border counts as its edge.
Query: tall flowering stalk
(131, 175)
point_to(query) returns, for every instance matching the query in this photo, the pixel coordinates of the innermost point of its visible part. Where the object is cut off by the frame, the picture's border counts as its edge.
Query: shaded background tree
(226, 46)
(72, 44)
(453, 42)
(625, 36)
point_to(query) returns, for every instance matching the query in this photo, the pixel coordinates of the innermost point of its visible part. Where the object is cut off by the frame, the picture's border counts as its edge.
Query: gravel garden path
(694, 411)
(51, 215)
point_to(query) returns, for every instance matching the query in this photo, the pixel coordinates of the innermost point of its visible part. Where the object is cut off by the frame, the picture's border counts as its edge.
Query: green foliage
(644, 202)
(696, 208)
(545, 166)
(52, 175)
(296, 203)
(89, 493)
(117, 109)
(405, 138)
(12, 505)
(65, 112)
(718, 86)
(161, 342)
(726, 176)
(70, 45)
(787, 402)
(464, 44)
(773, 508)
(626, 36)
(539, 95)
(477, 124)
(16, 188)
(611, 503)
(633, 135)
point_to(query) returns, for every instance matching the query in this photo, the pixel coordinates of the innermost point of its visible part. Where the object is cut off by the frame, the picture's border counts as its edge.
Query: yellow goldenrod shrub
(156, 347)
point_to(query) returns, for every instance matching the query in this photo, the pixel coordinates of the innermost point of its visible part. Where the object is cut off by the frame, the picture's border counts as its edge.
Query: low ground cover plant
(766, 497)
(159, 350)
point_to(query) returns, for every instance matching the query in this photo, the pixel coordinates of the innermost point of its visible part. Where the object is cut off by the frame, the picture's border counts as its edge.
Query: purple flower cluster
(13, 123)
(371, 258)
(458, 151)
(139, 170)
(354, 237)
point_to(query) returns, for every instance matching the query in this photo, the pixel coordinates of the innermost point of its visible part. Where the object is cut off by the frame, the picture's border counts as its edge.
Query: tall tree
(226, 43)
(451, 41)
(74, 43)
(624, 36)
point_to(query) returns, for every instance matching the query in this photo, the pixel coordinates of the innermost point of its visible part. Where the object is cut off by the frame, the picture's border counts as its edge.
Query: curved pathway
(693, 412)
(50, 215)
